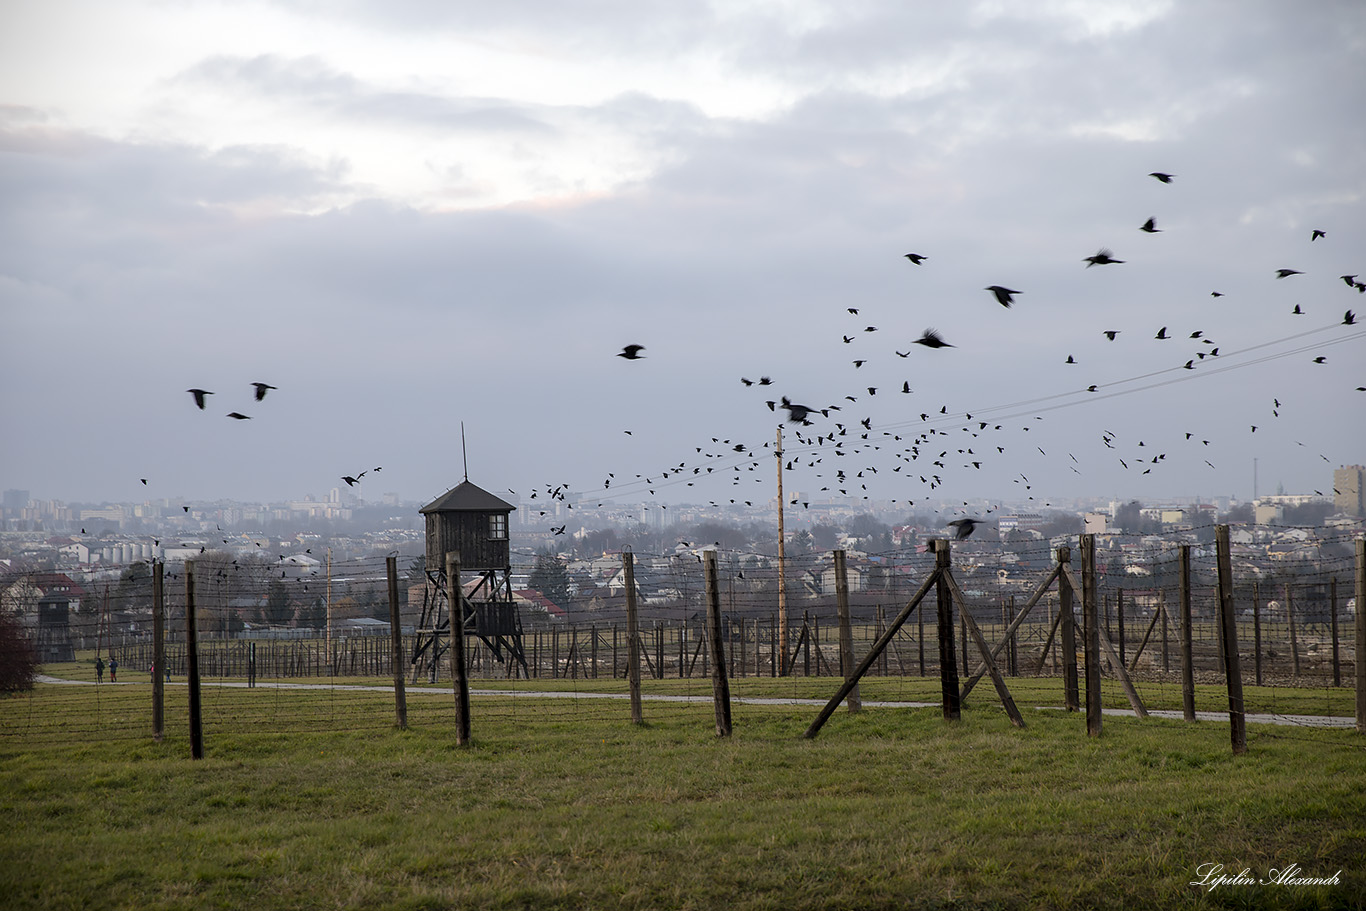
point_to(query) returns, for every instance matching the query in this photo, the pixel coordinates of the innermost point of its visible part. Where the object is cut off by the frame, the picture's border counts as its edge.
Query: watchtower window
(498, 528)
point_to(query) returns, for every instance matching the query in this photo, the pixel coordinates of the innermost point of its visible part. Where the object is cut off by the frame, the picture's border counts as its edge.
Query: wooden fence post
(1257, 632)
(1228, 624)
(948, 664)
(396, 644)
(1359, 624)
(1333, 626)
(720, 685)
(1071, 697)
(846, 632)
(628, 570)
(1091, 628)
(1294, 640)
(158, 651)
(461, 684)
(1183, 571)
(1012, 659)
(1119, 621)
(192, 665)
(1162, 606)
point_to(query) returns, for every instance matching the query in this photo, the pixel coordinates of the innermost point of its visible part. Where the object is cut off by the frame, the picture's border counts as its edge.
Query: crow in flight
(964, 527)
(631, 352)
(932, 339)
(238, 416)
(262, 389)
(1004, 296)
(1102, 258)
(916, 258)
(1150, 226)
(1165, 178)
(199, 396)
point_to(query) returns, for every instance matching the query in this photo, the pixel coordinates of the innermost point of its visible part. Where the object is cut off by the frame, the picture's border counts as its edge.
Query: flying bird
(1316, 235)
(932, 339)
(262, 389)
(1297, 311)
(1070, 360)
(1111, 333)
(199, 396)
(1150, 226)
(964, 527)
(1164, 178)
(796, 414)
(631, 352)
(1102, 258)
(1162, 333)
(916, 258)
(1349, 280)
(1349, 318)
(238, 416)
(1283, 273)
(1004, 296)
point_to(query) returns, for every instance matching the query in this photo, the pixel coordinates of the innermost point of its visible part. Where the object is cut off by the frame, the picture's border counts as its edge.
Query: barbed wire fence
(283, 649)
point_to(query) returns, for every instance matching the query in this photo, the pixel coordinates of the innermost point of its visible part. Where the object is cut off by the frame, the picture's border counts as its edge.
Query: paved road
(1313, 721)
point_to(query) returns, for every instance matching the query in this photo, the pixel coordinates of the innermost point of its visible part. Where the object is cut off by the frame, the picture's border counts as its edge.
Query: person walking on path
(113, 669)
(99, 669)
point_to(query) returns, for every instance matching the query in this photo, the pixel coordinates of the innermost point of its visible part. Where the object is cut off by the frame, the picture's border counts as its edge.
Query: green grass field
(311, 799)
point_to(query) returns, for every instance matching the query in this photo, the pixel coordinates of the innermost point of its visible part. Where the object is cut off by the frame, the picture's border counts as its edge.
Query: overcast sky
(410, 214)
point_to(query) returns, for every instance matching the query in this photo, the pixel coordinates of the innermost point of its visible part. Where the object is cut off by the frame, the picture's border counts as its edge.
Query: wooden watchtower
(473, 524)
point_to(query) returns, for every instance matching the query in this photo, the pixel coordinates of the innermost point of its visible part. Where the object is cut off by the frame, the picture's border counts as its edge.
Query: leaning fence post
(1229, 629)
(720, 685)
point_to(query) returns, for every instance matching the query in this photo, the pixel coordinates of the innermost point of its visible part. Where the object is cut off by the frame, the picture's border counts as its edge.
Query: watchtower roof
(466, 497)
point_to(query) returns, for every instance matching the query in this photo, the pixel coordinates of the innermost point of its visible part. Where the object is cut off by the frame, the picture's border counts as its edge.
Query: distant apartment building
(1348, 495)
(1019, 522)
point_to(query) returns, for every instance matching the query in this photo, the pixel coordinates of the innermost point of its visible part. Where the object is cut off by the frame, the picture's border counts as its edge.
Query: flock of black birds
(925, 455)
(845, 439)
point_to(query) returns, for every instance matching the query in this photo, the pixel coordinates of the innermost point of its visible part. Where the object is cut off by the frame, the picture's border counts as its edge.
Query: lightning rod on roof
(464, 457)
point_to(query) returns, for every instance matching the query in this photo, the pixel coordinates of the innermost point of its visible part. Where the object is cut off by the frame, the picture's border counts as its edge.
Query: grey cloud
(311, 83)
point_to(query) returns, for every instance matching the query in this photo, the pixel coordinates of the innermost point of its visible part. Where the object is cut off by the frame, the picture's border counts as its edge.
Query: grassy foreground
(887, 809)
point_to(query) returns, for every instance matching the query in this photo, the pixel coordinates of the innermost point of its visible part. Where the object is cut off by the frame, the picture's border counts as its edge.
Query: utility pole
(782, 566)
